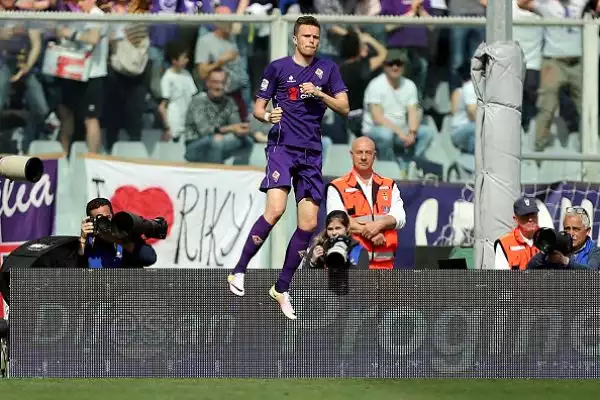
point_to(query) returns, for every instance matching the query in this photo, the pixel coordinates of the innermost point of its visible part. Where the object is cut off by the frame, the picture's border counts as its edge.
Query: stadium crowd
(195, 84)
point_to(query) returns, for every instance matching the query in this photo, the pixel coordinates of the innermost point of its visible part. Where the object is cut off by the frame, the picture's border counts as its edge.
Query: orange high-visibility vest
(357, 206)
(517, 251)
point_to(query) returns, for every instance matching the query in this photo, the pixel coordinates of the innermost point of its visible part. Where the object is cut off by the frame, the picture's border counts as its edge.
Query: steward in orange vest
(515, 249)
(358, 208)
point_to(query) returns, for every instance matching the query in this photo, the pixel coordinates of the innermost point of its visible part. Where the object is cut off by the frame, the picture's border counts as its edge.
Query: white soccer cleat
(284, 302)
(236, 283)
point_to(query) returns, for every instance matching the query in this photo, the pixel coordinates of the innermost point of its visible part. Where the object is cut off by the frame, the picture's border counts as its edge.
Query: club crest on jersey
(319, 73)
(275, 175)
(386, 209)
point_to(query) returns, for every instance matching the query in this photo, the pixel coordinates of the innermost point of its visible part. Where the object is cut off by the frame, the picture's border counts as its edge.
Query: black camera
(336, 251)
(126, 224)
(101, 224)
(548, 241)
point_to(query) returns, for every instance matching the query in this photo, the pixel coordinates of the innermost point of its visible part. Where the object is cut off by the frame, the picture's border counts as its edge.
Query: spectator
(391, 114)
(463, 113)
(35, 5)
(371, 8)
(127, 82)
(515, 249)
(160, 35)
(20, 50)
(413, 40)
(85, 98)
(562, 64)
(373, 203)
(216, 50)
(214, 129)
(530, 39)
(177, 88)
(585, 254)
(464, 40)
(357, 69)
(331, 34)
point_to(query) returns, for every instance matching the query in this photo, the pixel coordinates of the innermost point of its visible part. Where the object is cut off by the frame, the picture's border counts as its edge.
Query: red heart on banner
(149, 203)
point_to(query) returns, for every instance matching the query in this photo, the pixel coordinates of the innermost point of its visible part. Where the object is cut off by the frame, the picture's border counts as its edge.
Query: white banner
(209, 211)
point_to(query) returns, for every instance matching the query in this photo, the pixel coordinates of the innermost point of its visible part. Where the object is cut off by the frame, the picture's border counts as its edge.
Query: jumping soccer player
(301, 88)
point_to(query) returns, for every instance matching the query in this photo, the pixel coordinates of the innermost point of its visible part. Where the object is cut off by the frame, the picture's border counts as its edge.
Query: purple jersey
(300, 125)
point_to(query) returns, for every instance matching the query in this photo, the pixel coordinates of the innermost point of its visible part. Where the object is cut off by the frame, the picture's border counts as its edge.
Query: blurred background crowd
(185, 93)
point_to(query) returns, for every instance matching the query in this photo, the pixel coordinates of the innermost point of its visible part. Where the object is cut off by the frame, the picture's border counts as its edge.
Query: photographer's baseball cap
(525, 205)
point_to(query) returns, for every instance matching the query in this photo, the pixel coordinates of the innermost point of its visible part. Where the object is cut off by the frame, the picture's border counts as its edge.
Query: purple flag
(28, 210)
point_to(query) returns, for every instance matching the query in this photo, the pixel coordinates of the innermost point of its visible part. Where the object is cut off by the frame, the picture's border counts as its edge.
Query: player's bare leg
(276, 202)
(307, 222)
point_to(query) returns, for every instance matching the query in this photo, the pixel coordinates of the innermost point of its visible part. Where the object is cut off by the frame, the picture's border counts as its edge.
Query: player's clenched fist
(310, 88)
(275, 115)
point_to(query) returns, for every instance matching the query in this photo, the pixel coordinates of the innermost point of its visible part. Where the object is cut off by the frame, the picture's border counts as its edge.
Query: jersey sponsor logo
(291, 79)
(293, 93)
(517, 248)
(308, 95)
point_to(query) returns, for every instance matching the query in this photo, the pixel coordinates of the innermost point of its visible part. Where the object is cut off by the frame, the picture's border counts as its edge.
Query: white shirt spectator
(334, 201)
(209, 48)
(500, 261)
(178, 88)
(467, 98)
(561, 41)
(394, 102)
(99, 64)
(530, 38)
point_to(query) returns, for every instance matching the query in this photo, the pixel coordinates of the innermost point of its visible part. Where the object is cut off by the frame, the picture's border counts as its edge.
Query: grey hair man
(585, 254)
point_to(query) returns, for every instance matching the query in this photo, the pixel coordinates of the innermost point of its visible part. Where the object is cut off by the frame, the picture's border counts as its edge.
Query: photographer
(579, 251)
(336, 231)
(99, 248)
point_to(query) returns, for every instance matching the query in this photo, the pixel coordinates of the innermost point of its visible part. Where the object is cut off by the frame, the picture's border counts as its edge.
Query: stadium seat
(150, 137)
(45, 146)
(130, 150)
(388, 169)
(257, 157)
(169, 151)
(442, 98)
(78, 147)
(338, 161)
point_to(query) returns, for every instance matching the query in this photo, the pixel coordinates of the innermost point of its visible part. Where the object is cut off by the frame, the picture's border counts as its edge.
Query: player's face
(363, 156)
(528, 224)
(307, 40)
(335, 229)
(573, 225)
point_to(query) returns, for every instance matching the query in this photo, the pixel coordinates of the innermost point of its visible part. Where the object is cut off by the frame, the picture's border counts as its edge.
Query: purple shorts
(297, 168)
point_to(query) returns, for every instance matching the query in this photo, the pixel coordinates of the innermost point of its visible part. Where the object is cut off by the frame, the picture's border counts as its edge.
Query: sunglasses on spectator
(398, 63)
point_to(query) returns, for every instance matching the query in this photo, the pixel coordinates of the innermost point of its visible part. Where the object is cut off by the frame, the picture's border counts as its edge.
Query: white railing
(279, 45)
